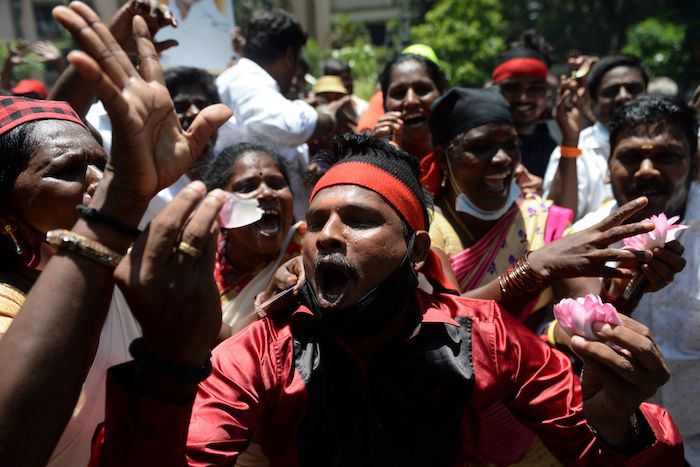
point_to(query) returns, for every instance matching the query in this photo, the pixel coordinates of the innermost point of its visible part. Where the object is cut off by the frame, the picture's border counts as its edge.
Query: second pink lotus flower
(665, 230)
(577, 316)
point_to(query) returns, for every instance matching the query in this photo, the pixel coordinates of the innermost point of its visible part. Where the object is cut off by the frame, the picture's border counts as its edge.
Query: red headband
(374, 178)
(15, 111)
(521, 66)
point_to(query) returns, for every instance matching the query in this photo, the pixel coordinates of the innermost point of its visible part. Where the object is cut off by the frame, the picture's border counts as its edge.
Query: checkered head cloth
(15, 111)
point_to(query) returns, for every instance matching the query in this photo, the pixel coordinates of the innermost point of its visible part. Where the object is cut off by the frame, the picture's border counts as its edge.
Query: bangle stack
(520, 283)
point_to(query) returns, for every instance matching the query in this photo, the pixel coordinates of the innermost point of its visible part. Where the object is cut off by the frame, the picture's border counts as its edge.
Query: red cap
(27, 86)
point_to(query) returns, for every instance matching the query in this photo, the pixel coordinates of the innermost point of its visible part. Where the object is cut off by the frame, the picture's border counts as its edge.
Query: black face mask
(373, 312)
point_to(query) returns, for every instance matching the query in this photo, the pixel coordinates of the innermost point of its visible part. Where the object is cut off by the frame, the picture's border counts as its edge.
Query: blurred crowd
(262, 268)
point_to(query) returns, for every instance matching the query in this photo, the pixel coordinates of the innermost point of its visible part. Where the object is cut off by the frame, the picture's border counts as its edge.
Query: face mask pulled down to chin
(465, 205)
(376, 310)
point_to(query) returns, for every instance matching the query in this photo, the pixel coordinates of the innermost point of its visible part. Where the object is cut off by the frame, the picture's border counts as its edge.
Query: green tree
(660, 44)
(346, 32)
(350, 42)
(467, 35)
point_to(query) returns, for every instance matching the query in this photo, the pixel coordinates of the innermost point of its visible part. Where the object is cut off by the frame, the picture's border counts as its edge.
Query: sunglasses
(634, 89)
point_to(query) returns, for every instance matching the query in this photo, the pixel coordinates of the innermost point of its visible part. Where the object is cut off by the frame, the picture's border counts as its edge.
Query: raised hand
(150, 150)
(616, 380)
(569, 115)
(390, 126)
(584, 254)
(528, 182)
(156, 15)
(46, 50)
(167, 278)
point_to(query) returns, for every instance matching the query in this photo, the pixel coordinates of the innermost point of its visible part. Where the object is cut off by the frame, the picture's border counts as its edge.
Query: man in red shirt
(377, 363)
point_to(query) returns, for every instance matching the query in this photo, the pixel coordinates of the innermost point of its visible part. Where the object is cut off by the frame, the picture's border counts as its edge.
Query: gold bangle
(551, 339)
(83, 246)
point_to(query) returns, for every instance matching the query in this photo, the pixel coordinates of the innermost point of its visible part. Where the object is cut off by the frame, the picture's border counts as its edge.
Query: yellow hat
(328, 83)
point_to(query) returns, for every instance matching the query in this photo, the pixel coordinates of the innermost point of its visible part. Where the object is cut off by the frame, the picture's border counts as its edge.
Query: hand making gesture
(150, 150)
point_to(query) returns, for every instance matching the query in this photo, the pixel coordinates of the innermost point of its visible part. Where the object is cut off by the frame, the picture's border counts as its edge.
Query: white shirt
(160, 200)
(97, 117)
(673, 316)
(591, 169)
(261, 114)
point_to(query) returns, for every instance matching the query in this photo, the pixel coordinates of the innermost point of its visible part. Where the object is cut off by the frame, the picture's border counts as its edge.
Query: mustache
(638, 188)
(336, 260)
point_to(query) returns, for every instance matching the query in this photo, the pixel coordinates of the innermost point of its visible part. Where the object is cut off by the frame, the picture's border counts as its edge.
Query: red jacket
(308, 400)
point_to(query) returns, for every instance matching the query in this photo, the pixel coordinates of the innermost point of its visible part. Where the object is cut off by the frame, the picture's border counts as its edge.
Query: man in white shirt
(613, 81)
(653, 143)
(254, 90)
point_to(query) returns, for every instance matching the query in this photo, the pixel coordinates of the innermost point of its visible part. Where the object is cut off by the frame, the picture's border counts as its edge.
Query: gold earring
(10, 230)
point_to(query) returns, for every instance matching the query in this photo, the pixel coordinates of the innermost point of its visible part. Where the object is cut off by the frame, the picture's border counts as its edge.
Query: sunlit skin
(358, 225)
(67, 160)
(527, 96)
(482, 161)
(619, 85)
(654, 163)
(411, 92)
(255, 176)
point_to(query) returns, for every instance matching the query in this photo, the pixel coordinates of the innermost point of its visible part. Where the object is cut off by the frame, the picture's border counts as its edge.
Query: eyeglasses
(487, 152)
(513, 88)
(634, 88)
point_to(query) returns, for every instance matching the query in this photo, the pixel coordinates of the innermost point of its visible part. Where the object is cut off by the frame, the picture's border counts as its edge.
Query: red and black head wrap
(15, 111)
(378, 166)
(374, 164)
(519, 61)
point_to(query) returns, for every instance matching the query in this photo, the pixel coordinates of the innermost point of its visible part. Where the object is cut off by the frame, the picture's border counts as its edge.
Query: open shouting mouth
(334, 278)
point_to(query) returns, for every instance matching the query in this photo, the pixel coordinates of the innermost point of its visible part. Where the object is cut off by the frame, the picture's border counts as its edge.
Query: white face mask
(465, 205)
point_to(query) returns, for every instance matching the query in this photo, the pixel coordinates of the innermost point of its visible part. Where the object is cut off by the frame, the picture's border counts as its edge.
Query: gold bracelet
(83, 246)
(551, 339)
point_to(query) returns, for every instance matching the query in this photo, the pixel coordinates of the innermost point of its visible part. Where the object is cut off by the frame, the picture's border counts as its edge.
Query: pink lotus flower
(664, 231)
(576, 317)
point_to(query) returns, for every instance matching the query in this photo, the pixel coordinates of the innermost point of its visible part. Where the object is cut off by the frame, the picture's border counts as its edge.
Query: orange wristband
(568, 151)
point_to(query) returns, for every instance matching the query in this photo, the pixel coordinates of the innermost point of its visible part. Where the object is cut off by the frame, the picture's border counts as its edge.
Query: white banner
(204, 33)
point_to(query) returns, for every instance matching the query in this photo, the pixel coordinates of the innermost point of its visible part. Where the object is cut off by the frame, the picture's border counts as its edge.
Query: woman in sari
(504, 246)
(247, 257)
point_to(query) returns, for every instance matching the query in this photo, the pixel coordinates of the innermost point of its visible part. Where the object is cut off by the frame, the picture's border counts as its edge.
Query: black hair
(270, 33)
(220, 169)
(185, 75)
(350, 146)
(651, 111)
(436, 75)
(605, 64)
(531, 39)
(335, 67)
(16, 149)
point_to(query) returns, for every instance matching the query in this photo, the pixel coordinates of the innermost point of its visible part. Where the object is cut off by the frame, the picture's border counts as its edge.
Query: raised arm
(50, 346)
(564, 187)
(74, 89)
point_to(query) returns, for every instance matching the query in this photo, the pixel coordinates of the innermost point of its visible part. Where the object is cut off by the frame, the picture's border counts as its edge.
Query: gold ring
(189, 250)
